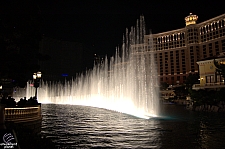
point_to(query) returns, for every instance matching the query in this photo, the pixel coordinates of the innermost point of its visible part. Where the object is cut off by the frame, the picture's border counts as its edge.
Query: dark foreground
(10, 138)
(32, 141)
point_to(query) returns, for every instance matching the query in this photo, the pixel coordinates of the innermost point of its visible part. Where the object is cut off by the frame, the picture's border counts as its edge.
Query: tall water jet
(126, 82)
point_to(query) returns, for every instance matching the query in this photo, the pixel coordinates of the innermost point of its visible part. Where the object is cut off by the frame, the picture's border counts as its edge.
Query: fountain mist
(125, 83)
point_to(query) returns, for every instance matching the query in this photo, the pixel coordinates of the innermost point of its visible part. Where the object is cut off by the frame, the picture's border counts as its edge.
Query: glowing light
(191, 19)
(130, 87)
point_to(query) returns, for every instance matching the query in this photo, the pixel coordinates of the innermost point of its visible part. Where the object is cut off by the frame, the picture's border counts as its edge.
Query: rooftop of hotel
(192, 20)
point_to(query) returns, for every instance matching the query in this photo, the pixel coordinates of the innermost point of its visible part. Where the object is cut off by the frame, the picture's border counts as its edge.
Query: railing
(23, 114)
(167, 97)
(196, 85)
(210, 85)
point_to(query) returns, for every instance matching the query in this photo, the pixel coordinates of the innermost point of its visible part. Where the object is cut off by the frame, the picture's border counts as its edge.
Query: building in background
(177, 51)
(209, 77)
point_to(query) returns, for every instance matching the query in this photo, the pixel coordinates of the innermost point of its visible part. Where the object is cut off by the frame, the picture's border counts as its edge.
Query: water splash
(125, 83)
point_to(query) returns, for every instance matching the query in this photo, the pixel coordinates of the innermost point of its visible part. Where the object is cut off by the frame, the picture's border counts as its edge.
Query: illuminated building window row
(213, 30)
(213, 35)
(171, 37)
(213, 26)
(169, 41)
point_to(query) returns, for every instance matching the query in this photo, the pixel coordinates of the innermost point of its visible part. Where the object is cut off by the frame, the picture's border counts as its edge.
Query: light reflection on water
(72, 126)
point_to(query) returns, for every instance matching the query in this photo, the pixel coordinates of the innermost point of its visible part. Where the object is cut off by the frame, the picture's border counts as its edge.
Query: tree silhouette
(220, 68)
(191, 80)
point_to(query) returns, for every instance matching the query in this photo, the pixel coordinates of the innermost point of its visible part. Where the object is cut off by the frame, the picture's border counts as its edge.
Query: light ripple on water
(100, 128)
(87, 127)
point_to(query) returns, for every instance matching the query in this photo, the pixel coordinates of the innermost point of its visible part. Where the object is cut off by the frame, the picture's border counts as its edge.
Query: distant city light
(65, 75)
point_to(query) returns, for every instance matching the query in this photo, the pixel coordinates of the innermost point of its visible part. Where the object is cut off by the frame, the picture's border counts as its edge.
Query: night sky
(98, 25)
(103, 23)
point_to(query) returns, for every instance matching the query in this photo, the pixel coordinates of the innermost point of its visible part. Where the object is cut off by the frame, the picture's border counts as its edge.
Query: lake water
(71, 126)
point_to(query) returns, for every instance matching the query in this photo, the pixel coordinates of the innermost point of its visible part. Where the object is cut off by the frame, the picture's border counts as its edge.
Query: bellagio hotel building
(177, 51)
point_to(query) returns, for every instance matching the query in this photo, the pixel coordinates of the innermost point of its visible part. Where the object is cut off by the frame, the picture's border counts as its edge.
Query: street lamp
(36, 77)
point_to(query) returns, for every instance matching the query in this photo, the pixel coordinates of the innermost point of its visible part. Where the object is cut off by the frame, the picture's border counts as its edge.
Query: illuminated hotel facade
(177, 51)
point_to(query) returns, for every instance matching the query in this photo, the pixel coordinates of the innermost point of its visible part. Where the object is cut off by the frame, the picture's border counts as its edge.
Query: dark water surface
(71, 126)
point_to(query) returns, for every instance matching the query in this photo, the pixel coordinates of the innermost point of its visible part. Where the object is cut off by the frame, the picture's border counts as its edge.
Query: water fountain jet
(126, 84)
